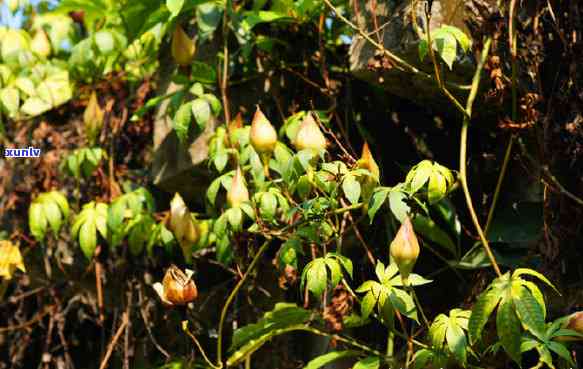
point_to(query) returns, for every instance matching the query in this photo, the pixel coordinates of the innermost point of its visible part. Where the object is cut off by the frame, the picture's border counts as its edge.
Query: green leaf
(203, 73)
(437, 331)
(329, 357)
(377, 200)
(528, 309)
(369, 362)
(481, 312)
(423, 49)
(351, 189)
(88, 238)
(431, 231)
(104, 41)
(37, 221)
(9, 100)
(335, 271)
(456, 340)
(398, 205)
(344, 261)
(521, 271)
(508, 329)
(53, 215)
(421, 174)
(367, 304)
(537, 294)
(285, 317)
(447, 49)
(235, 218)
(561, 350)
(268, 206)
(174, 6)
(317, 277)
(414, 280)
(422, 358)
(464, 41)
(181, 122)
(202, 112)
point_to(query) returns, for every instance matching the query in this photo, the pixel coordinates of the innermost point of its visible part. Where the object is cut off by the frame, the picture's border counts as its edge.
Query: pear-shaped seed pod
(238, 192)
(309, 135)
(40, 44)
(183, 47)
(404, 249)
(367, 162)
(93, 118)
(182, 224)
(263, 136)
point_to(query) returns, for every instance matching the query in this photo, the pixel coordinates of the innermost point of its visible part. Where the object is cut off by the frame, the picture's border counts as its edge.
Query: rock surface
(397, 32)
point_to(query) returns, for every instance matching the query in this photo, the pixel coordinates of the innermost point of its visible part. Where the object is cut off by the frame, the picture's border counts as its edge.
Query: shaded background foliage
(287, 62)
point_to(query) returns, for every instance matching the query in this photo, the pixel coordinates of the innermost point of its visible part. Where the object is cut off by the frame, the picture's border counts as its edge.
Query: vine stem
(193, 337)
(230, 299)
(463, 154)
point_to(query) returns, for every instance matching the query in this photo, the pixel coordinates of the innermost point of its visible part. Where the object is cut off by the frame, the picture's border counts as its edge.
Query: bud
(93, 118)
(575, 323)
(309, 135)
(238, 192)
(183, 226)
(405, 249)
(177, 287)
(263, 136)
(40, 44)
(367, 162)
(182, 47)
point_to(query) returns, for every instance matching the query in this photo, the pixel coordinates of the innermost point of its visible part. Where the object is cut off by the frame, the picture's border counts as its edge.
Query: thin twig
(198, 345)
(114, 341)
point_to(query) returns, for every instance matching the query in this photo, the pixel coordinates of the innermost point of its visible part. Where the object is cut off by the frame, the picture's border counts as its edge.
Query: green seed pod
(238, 192)
(183, 47)
(309, 135)
(263, 136)
(405, 249)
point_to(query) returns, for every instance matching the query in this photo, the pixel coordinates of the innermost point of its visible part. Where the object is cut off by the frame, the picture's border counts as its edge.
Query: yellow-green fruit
(182, 47)
(238, 192)
(367, 162)
(263, 136)
(309, 135)
(574, 323)
(181, 222)
(93, 118)
(405, 249)
(40, 44)
(178, 287)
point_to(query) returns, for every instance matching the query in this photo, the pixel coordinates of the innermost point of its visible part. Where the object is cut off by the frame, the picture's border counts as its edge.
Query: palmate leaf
(49, 209)
(92, 219)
